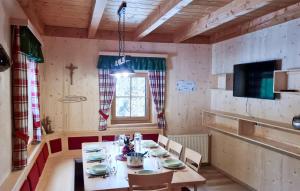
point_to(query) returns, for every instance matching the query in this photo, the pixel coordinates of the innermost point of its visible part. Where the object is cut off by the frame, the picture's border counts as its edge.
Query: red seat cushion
(40, 161)
(33, 177)
(106, 138)
(75, 142)
(25, 186)
(45, 151)
(55, 145)
(153, 137)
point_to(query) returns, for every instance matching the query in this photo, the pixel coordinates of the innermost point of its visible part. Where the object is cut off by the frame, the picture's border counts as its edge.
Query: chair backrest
(160, 181)
(163, 141)
(192, 159)
(175, 148)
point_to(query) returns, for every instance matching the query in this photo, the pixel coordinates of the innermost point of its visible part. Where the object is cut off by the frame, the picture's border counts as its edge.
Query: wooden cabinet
(277, 136)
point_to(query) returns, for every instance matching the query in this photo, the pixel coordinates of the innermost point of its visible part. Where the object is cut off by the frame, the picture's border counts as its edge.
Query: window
(132, 100)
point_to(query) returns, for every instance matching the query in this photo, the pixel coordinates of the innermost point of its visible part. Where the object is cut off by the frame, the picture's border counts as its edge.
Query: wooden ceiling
(191, 21)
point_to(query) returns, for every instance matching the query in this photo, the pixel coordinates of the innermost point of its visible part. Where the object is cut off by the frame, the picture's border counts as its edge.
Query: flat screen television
(255, 80)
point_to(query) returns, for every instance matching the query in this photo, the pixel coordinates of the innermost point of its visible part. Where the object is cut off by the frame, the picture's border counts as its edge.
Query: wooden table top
(119, 181)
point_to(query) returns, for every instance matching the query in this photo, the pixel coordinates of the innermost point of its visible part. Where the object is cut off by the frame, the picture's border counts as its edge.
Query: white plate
(97, 170)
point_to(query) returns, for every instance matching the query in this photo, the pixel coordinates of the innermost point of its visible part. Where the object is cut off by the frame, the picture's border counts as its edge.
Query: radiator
(196, 142)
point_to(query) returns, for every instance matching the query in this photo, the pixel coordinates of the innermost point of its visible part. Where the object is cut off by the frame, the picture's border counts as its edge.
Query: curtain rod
(135, 54)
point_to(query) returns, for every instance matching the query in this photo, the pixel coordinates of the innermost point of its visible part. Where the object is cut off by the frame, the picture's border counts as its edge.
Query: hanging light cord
(121, 32)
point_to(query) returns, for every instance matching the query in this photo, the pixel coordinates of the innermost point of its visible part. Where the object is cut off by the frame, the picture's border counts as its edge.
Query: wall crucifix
(71, 68)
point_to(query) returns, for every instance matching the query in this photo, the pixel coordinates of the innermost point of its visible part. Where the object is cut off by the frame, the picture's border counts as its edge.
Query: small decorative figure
(128, 148)
(46, 123)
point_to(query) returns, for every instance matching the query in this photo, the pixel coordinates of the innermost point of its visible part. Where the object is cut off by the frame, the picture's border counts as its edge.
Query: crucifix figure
(71, 68)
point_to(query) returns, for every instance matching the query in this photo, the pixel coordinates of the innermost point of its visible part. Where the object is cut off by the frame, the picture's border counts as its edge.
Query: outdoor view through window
(131, 100)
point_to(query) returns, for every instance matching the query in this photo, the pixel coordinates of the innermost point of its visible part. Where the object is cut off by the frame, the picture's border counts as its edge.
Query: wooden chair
(161, 181)
(175, 148)
(193, 160)
(163, 141)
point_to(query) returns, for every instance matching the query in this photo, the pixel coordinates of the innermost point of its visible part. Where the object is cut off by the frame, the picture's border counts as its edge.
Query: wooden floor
(217, 181)
(59, 176)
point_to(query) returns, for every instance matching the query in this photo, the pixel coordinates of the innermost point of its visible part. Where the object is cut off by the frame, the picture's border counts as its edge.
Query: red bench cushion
(45, 151)
(25, 186)
(106, 138)
(33, 177)
(40, 161)
(153, 137)
(75, 142)
(55, 145)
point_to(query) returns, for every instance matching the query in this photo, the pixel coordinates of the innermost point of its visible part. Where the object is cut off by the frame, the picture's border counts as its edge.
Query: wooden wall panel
(185, 62)
(258, 167)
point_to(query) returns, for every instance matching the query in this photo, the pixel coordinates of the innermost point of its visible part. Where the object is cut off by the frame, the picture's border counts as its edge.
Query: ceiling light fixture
(121, 68)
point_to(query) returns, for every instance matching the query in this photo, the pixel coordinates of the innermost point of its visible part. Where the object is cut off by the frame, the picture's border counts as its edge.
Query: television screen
(254, 80)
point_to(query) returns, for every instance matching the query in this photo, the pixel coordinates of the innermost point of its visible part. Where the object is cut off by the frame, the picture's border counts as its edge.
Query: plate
(97, 170)
(159, 153)
(172, 164)
(92, 148)
(150, 144)
(96, 157)
(146, 172)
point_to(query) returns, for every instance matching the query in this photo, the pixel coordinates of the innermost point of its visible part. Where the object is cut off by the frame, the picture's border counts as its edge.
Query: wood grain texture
(182, 109)
(236, 11)
(260, 168)
(254, 165)
(159, 16)
(69, 13)
(98, 9)
(30, 9)
(283, 15)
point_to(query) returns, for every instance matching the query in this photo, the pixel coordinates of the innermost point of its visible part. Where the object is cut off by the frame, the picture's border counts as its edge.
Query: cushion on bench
(40, 161)
(55, 145)
(153, 137)
(75, 142)
(25, 186)
(106, 138)
(33, 177)
(45, 151)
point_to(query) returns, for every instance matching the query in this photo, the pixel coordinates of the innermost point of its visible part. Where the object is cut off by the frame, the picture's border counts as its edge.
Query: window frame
(131, 120)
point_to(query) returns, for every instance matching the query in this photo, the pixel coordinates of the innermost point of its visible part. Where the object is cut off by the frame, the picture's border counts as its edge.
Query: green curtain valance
(30, 45)
(136, 63)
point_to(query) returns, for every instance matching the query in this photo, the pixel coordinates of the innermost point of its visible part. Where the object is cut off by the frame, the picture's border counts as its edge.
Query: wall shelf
(286, 81)
(277, 136)
(223, 82)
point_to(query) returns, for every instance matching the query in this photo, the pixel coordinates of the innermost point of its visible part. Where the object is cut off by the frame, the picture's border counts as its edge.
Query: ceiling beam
(30, 11)
(159, 16)
(283, 15)
(230, 12)
(98, 10)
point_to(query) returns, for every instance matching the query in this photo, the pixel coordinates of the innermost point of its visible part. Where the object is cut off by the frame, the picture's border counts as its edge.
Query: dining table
(118, 179)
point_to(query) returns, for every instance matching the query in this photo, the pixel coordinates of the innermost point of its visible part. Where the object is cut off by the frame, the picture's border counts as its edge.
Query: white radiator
(196, 142)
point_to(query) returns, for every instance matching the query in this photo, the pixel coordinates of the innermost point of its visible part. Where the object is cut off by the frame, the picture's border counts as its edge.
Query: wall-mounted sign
(186, 86)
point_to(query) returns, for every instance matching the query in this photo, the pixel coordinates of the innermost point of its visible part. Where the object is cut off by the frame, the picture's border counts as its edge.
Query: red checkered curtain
(20, 102)
(35, 105)
(107, 85)
(157, 81)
